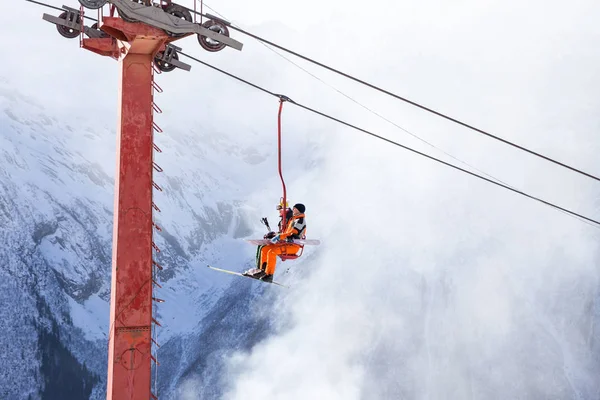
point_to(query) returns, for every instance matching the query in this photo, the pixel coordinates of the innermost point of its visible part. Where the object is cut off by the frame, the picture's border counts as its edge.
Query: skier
(281, 244)
(288, 215)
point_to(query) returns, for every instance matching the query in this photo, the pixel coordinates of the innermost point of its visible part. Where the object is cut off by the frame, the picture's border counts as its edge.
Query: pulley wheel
(93, 4)
(165, 66)
(95, 27)
(179, 12)
(209, 44)
(65, 31)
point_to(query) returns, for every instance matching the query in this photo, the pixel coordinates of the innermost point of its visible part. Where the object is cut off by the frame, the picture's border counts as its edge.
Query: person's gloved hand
(269, 235)
(275, 239)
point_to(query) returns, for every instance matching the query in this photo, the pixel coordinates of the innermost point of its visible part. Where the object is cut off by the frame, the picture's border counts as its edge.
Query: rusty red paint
(131, 319)
(130, 341)
(129, 368)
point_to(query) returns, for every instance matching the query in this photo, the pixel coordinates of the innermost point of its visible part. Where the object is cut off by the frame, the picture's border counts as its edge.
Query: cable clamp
(283, 98)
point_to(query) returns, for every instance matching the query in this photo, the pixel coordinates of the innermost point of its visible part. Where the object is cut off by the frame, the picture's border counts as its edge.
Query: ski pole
(266, 223)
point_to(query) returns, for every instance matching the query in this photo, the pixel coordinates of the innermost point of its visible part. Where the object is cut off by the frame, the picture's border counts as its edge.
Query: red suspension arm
(283, 221)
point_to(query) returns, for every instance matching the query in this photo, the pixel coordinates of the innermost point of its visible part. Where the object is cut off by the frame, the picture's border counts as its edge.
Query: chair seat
(292, 256)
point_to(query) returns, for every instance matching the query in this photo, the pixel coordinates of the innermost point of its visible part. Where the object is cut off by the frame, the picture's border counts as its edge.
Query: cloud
(430, 283)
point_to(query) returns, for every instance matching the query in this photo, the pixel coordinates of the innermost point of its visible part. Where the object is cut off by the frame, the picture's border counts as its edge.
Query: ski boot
(255, 273)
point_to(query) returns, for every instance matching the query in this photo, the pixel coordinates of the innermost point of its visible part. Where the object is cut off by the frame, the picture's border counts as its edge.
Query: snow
(428, 283)
(91, 316)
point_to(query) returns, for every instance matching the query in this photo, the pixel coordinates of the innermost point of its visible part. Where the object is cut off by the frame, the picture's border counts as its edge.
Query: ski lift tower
(140, 38)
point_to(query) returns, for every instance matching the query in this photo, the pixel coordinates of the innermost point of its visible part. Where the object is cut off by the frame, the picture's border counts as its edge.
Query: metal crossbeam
(155, 16)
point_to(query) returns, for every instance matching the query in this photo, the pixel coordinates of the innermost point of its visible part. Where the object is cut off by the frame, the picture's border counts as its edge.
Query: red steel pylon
(130, 339)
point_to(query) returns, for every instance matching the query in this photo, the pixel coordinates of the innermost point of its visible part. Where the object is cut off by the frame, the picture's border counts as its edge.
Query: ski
(262, 242)
(245, 276)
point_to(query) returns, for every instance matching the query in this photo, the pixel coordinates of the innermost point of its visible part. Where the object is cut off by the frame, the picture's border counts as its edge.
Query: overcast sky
(430, 284)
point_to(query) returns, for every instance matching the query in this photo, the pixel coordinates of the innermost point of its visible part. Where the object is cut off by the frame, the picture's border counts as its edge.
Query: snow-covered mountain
(57, 200)
(429, 284)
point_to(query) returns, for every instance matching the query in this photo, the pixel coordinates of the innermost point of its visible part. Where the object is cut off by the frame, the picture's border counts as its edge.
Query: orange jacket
(295, 227)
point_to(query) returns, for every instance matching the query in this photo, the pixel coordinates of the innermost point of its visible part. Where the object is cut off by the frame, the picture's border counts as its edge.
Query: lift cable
(56, 8)
(260, 39)
(572, 213)
(363, 106)
(398, 97)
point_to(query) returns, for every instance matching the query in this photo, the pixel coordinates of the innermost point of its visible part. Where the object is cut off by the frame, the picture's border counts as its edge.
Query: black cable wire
(361, 129)
(413, 103)
(363, 106)
(46, 5)
(391, 141)
(56, 8)
(376, 88)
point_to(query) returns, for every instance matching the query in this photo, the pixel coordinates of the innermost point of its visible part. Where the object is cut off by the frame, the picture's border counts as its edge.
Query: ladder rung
(157, 265)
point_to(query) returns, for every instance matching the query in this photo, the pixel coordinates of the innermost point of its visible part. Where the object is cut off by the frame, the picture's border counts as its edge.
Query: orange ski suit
(269, 252)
